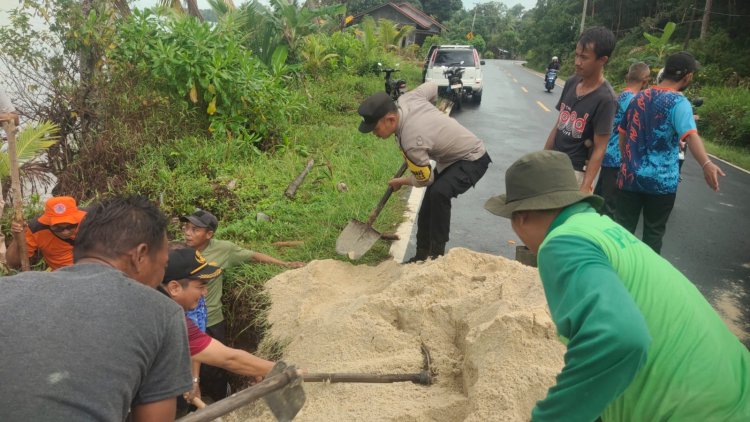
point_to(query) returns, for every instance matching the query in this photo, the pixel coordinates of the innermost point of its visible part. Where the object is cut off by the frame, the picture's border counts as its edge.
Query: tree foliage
(441, 9)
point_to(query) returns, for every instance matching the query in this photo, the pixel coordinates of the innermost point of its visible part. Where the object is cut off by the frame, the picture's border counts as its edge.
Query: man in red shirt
(51, 235)
(185, 281)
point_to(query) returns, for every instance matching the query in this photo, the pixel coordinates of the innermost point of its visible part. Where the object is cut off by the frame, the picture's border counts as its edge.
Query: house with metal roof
(405, 14)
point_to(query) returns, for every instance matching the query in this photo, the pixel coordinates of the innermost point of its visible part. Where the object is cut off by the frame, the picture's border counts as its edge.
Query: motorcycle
(456, 91)
(549, 79)
(393, 87)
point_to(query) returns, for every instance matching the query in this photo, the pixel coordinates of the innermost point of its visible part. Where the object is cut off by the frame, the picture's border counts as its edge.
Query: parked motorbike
(549, 79)
(393, 87)
(456, 90)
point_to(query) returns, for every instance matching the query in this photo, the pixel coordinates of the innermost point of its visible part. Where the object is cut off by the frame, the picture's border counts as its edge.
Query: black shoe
(437, 250)
(421, 255)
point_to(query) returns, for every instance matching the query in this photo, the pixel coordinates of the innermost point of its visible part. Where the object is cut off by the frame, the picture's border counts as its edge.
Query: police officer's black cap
(201, 218)
(372, 109)
(680, 64)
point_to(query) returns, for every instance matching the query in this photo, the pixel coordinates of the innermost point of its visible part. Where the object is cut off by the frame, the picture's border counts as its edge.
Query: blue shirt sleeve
(608, 338)
(623, 125)
(681, 118)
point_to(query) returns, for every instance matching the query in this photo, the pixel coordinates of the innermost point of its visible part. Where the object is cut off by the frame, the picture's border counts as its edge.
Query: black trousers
(656, 210)
(215, 381)
(606, 187)
(434, 221)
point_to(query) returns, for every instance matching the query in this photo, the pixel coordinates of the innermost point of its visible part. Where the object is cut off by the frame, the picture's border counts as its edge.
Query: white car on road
(444, 56)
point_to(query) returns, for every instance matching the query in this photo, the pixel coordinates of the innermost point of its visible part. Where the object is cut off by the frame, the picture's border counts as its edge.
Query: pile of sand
(483, 318)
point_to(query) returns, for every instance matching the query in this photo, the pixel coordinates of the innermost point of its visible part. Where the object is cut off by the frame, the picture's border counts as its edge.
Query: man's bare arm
(595, 162)
(551, 137)
(158, 411)
(711, 171)
(233, 360)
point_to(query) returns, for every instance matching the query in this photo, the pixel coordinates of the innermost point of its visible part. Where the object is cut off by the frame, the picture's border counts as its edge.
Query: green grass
(740, 157)
(235, 182)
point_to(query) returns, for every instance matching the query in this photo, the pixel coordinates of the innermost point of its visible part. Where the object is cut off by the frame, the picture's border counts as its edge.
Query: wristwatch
(196, 380)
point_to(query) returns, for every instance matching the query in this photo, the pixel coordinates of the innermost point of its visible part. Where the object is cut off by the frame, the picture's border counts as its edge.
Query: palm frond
(30, 142)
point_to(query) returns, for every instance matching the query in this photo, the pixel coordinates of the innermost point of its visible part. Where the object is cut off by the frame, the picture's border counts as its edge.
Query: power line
(719, 13)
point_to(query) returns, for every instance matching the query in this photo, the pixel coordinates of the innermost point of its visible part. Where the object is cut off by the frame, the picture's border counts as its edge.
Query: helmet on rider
(554, 58)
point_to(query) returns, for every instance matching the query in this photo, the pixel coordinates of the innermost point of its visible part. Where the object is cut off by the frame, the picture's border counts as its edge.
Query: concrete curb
(398, 248)
(728, 163)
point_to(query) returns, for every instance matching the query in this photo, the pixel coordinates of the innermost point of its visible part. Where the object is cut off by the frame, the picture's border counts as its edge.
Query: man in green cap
(642, 342)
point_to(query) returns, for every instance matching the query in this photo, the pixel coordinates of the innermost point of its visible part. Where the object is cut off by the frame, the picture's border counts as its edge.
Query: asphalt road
(708, 234)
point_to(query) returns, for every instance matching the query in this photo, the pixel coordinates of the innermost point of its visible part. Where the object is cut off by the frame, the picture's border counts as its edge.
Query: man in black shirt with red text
(587, 108)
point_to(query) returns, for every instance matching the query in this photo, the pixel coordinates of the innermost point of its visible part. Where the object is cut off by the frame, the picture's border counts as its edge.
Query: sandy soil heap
(484, 319)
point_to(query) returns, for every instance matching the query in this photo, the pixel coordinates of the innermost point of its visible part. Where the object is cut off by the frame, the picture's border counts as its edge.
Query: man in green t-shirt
(642, 342)
(199, 228)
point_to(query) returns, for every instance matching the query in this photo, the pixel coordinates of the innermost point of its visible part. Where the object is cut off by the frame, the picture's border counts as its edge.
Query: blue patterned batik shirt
(654, 123)
(612, 156)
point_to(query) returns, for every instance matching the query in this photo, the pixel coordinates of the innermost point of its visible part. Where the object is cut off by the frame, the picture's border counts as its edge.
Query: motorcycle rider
(555, 65)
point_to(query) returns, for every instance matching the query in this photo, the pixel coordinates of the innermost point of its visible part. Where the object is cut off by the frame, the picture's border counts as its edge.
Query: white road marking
(542, 106)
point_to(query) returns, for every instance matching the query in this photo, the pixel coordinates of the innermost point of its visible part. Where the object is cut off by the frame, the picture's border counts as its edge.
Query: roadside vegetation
(218, 115)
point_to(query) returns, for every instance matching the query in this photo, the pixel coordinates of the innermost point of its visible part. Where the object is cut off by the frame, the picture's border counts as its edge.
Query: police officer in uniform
(425, 133)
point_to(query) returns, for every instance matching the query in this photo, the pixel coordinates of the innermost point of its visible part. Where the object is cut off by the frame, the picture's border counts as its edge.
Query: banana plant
(316, 55)
(660, 45)
(391, 34)
(295, 22)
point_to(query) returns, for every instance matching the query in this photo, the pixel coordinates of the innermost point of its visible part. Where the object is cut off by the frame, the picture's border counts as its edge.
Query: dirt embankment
(484, 319)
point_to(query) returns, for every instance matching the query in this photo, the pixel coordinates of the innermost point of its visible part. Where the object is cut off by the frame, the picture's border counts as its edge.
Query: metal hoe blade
(287, 402)
(356, 239)
(282, 390)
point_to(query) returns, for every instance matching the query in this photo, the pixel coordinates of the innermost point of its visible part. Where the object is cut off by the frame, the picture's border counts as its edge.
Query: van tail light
(432, 59)
(476, 59)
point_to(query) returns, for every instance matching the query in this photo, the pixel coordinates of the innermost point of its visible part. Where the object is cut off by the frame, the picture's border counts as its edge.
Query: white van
(445, 56)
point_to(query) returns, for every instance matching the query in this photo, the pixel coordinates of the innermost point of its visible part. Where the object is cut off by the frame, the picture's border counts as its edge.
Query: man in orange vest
(50, 235)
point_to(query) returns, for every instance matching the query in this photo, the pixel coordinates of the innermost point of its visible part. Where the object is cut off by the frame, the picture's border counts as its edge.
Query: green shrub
(488, 55)
(720, 50)
(208, 66)
(430, 41)
(725, 115)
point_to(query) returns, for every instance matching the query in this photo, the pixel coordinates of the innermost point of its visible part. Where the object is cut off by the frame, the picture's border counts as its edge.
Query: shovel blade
(287, 402)
(356, 239)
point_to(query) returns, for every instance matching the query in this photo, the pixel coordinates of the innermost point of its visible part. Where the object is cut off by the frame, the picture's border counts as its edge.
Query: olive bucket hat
(541, 180)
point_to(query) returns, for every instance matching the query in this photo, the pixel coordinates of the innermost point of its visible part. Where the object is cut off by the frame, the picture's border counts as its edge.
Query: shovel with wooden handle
(423, 377)
(357, 237)
(282, 391)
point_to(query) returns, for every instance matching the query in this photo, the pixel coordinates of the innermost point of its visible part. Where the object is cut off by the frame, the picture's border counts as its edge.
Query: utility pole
(583, 15)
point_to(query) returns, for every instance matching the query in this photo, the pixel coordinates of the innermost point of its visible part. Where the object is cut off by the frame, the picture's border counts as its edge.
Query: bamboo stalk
(15, 180)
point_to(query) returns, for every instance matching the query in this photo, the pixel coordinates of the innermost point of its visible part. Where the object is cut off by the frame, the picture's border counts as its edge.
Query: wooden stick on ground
(390, 236)
(291, 190)
(15, 178)
(288, 243)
